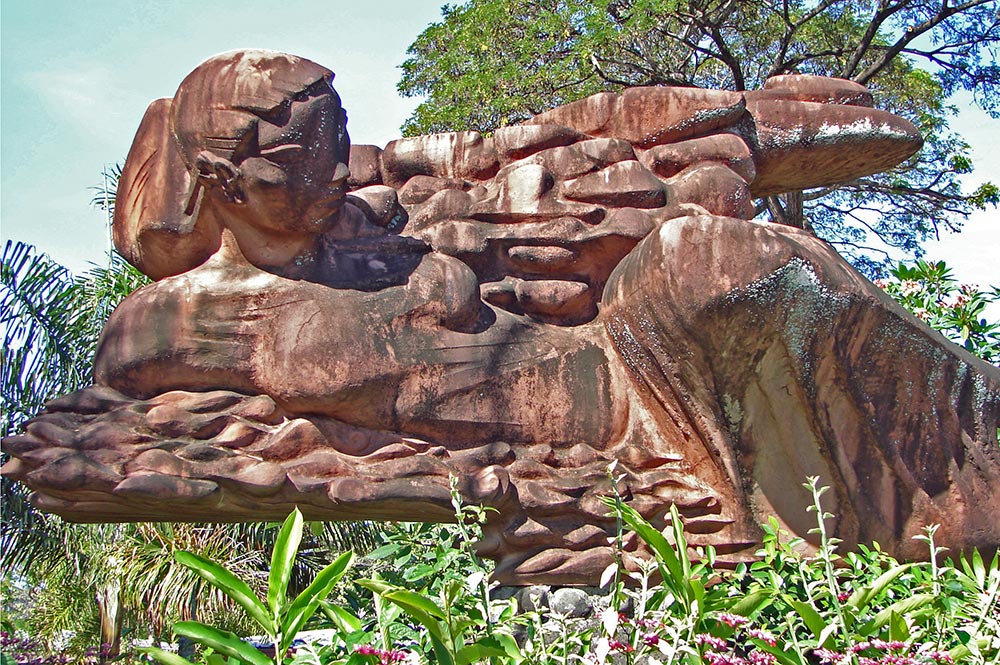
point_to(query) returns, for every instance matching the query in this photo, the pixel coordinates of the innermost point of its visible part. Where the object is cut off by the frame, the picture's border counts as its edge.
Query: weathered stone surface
(649, 116)
(518, 141)
(807, 144)
(716, 188)
(380, 205)
(814, 89)
(153, 228)
(571, 603)
(456, 155)
(621, 185)
(419, 188)
(518, 312)
(727, 149)
(365, 162)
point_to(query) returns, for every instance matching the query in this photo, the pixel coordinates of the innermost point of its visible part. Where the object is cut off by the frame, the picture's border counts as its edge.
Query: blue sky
(77, 76)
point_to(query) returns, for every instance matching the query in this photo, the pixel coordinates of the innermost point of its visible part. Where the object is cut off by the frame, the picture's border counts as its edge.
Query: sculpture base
(220, 456)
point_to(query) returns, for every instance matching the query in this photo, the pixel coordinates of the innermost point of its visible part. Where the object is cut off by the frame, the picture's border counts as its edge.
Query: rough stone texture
(365, 163)
(518, 311)
(570, 602)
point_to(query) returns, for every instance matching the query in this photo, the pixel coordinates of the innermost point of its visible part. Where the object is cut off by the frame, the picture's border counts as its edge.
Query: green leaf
(898, 630)
(808, 614)
(410, 600)
(670, 567)
(422, 610)
(864, 595)
(509, 645)
(680, 542)
(384, 551)
(306, 603)
(345, 622)
(752, 602)
(162, 656)
(232, 586)
(900, 607)
(481, 650)
(286, 546)
(222, 641)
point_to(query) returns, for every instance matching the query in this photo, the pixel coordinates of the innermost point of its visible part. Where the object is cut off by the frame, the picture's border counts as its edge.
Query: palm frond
(47, 343)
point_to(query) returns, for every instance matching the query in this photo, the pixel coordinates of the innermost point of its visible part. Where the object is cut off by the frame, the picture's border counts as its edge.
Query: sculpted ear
(214, 171)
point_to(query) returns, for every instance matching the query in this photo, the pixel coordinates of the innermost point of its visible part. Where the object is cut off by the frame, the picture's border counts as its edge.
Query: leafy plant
(281, 619)
(931, 292)
(457, 616)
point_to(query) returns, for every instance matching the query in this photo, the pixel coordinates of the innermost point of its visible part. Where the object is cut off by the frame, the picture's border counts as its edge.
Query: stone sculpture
(518, 311)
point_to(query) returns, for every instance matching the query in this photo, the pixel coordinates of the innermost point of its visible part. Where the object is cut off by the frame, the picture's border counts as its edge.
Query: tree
(490, 63)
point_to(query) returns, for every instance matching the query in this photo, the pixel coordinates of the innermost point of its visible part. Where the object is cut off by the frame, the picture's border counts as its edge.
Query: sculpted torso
(426, 357)
(519, 311)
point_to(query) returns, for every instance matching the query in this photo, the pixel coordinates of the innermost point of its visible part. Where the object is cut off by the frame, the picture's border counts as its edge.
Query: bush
(864, 607)
(931, 292)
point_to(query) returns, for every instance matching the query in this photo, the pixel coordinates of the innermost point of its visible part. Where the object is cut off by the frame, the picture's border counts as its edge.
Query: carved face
(297, 180)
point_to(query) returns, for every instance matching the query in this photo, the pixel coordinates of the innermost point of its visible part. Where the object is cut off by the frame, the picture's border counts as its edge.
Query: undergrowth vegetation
(425, 597)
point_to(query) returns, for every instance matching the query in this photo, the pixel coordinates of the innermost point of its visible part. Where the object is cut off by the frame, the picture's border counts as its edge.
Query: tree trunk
(787, 209)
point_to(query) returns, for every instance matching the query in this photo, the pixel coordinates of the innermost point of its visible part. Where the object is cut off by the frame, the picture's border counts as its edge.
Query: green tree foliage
(490, 63)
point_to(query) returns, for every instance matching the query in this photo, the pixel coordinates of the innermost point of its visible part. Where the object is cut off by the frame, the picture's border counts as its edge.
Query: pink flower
(710, 640)
(733, 620)
(651, 639)
(617, 645)
(826, 656)
(758, 657)
(941, 656)
(385, 656)
(763, 636)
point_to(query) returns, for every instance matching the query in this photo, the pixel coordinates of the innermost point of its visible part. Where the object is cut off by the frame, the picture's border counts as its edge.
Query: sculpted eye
(284, 154)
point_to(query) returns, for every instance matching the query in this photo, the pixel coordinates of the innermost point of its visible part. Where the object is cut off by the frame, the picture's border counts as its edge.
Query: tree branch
(910, 34)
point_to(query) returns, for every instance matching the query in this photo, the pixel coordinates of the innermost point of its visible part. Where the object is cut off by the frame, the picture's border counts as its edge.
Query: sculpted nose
(341, 173)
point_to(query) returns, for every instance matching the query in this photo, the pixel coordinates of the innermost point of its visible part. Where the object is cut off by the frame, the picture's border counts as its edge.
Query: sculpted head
(265, 135)
(251, 140)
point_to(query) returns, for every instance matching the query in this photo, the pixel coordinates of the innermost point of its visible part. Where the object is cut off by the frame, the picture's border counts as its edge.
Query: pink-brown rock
(727, 149)
(716, 188)
(806, 88)
(365, 162)
(518, 141)
(649, 116)
(464, 155)
(806, 144)
(621, 185)
(518, 312)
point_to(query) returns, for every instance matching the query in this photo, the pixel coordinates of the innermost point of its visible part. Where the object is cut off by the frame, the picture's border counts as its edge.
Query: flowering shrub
(786, 608)
(931, 292)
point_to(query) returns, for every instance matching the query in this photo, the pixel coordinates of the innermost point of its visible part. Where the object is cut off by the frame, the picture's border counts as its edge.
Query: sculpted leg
(811, 370)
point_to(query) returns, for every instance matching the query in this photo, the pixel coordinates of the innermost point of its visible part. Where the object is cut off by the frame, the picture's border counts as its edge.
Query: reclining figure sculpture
(344, 329)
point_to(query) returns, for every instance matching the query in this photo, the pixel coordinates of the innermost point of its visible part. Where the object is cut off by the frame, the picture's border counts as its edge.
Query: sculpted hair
(218, 106)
